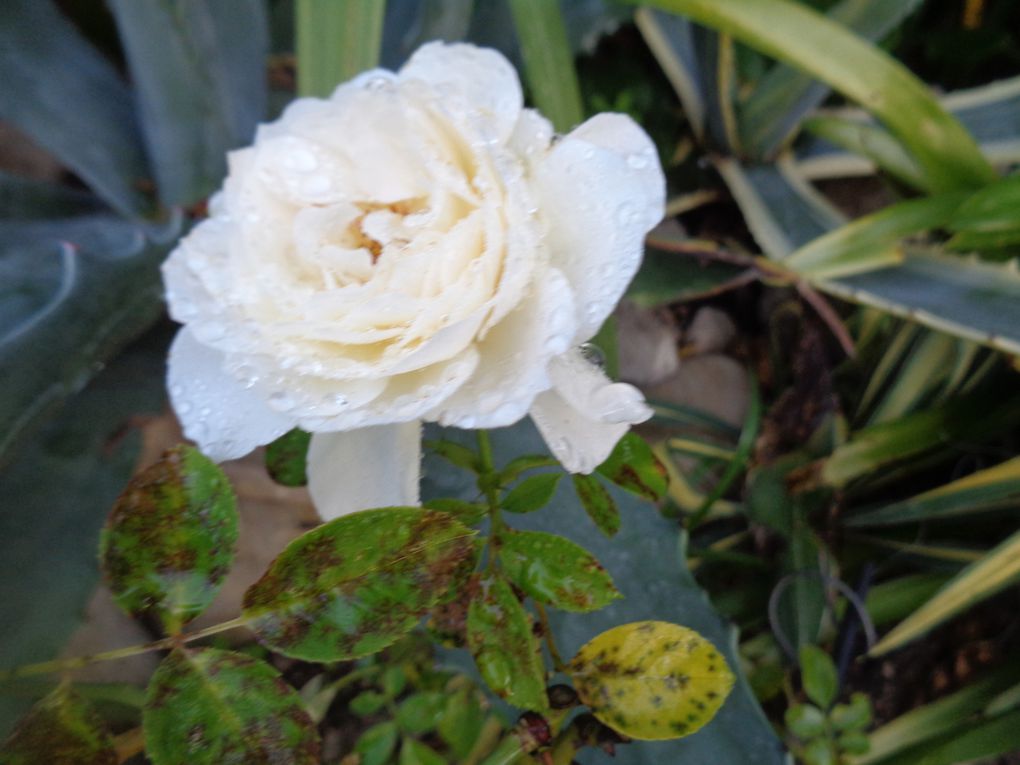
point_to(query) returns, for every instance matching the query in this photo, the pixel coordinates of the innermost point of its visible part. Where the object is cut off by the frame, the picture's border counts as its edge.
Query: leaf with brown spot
(598, 503)
(169, 540)
(633, 466)
(354, 585)
(504, 646)
(554, 570)
(287, 458)
(61, 729)
(210, 707)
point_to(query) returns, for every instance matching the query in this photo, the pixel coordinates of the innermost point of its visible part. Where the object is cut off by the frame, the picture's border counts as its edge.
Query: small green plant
(822, 731)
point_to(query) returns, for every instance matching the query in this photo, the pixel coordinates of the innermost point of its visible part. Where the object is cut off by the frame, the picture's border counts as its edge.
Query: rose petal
(217, 412)
(514, 359)
(364, 468)
(585, 414)
(468, 78)
(601, 189)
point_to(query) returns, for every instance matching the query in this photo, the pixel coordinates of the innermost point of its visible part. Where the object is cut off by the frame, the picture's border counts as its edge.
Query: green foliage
(818, 674)
(354, 585)
(531, 494)
(61, 729)
(286, 458)
(335, 42)
(598, 503)
(633, 466)
(506, 651)
(169, 540)
(211, 706)
(554, 570)
(377, 743)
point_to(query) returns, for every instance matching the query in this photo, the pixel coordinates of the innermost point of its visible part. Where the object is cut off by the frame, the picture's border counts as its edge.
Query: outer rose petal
(600, 189)
(585, 414)
(217, 412)
(514, 359)
(364, 468)
(470, 78)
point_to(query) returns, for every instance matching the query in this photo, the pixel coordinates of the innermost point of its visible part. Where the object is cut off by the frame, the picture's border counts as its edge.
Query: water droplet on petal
(316, 184)
(637, 161)
(593, 355)
(183, 408)
(626, 214)
(281, 400)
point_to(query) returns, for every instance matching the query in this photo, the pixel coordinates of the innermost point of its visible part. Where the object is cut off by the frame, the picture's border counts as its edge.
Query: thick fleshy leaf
(556, 571)
(598, 503)
(56, 493)
(351, 587)
(201, 90)
(585, 415)
(169, 541)
(505, 648)
(354, 470)
(601, 189)
(633, 466)
(84, 115)
(651, 680)
(818, 675)
(217, 412)
(73, 292)
(209, 707)
(60, 730)
(287, 457)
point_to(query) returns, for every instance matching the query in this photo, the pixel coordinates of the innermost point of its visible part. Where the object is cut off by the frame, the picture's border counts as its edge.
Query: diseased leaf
(169, 541)
(354, 585)
(468, 513)
(533, 493)
(209, 707)
(505, 648)
(651, 680)
(554, 570)
(634, 467)
(818, 675)
(61, 729)
(598, 503)
(287, 456)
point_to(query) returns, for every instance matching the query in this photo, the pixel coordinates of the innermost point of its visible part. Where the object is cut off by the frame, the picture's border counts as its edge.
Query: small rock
(713, 383)
(647, 341)
(710, 331)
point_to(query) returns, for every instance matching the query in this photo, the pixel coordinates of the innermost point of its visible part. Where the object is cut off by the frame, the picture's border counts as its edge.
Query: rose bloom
(417, 247)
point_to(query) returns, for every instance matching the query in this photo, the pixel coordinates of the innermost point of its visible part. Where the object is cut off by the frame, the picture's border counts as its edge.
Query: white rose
(417, 247)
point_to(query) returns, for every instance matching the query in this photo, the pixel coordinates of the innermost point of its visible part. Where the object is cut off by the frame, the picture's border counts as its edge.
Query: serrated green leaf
(521, 464)
(805, 721)
(633, 466)
(169, 541)
(61, 729)
(377, 743)
(456, 454)
(287, 458)
(818, 675)
(209, 707)
(505, 648)
(354, 585)
(420, 712)
(85, 116)
(414, 752)
(394, 680)
(556, 571)
(531, 494)
(651, 680)
(201, 91)
(598, 503)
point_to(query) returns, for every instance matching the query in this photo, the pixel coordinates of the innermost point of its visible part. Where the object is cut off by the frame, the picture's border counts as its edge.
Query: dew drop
(281, 400)
(301, 160)
(176, 390)
(626, 214)
(637, 161)
(593, 355)
(183, 408)
(316, 184)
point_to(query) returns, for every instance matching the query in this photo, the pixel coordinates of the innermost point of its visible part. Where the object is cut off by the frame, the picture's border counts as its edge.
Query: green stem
(550, 640)
(489, 485)
(77, 662)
